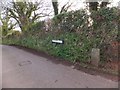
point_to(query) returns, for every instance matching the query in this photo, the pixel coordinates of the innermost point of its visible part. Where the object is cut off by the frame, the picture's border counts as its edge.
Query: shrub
(71, 21)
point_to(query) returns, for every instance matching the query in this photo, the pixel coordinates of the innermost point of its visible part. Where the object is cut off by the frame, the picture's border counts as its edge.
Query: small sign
(58, 41)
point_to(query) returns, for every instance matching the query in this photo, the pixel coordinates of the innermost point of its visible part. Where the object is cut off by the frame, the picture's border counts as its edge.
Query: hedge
(73, 27)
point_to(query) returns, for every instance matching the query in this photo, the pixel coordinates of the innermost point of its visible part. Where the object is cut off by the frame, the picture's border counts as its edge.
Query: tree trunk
(55, 6)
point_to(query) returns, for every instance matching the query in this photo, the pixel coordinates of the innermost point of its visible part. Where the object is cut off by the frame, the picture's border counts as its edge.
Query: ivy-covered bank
(78, 33)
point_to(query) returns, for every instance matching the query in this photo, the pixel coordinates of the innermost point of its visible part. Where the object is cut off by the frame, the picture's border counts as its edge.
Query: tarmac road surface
(21, 69)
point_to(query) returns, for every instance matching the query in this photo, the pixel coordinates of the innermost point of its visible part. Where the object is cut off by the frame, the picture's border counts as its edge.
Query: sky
(77, 4)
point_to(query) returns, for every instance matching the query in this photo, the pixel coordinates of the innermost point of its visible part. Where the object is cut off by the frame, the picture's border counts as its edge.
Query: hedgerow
(72, 27)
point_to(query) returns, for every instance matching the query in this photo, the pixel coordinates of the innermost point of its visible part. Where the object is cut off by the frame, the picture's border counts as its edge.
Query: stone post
(95, 56)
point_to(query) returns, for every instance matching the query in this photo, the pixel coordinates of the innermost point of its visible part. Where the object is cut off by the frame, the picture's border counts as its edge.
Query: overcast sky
(77, 4)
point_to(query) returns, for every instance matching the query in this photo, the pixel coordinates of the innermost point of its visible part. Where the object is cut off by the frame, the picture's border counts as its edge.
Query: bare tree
(64, 8)
(104, 4)
(55, 6)
(93, 6)
(26, 13)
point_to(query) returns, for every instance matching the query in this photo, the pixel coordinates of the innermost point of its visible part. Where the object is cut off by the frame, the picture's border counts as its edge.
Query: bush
(71, 21)
(105, 16)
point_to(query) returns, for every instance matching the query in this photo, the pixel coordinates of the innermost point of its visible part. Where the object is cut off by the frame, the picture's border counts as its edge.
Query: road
(21, 69)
